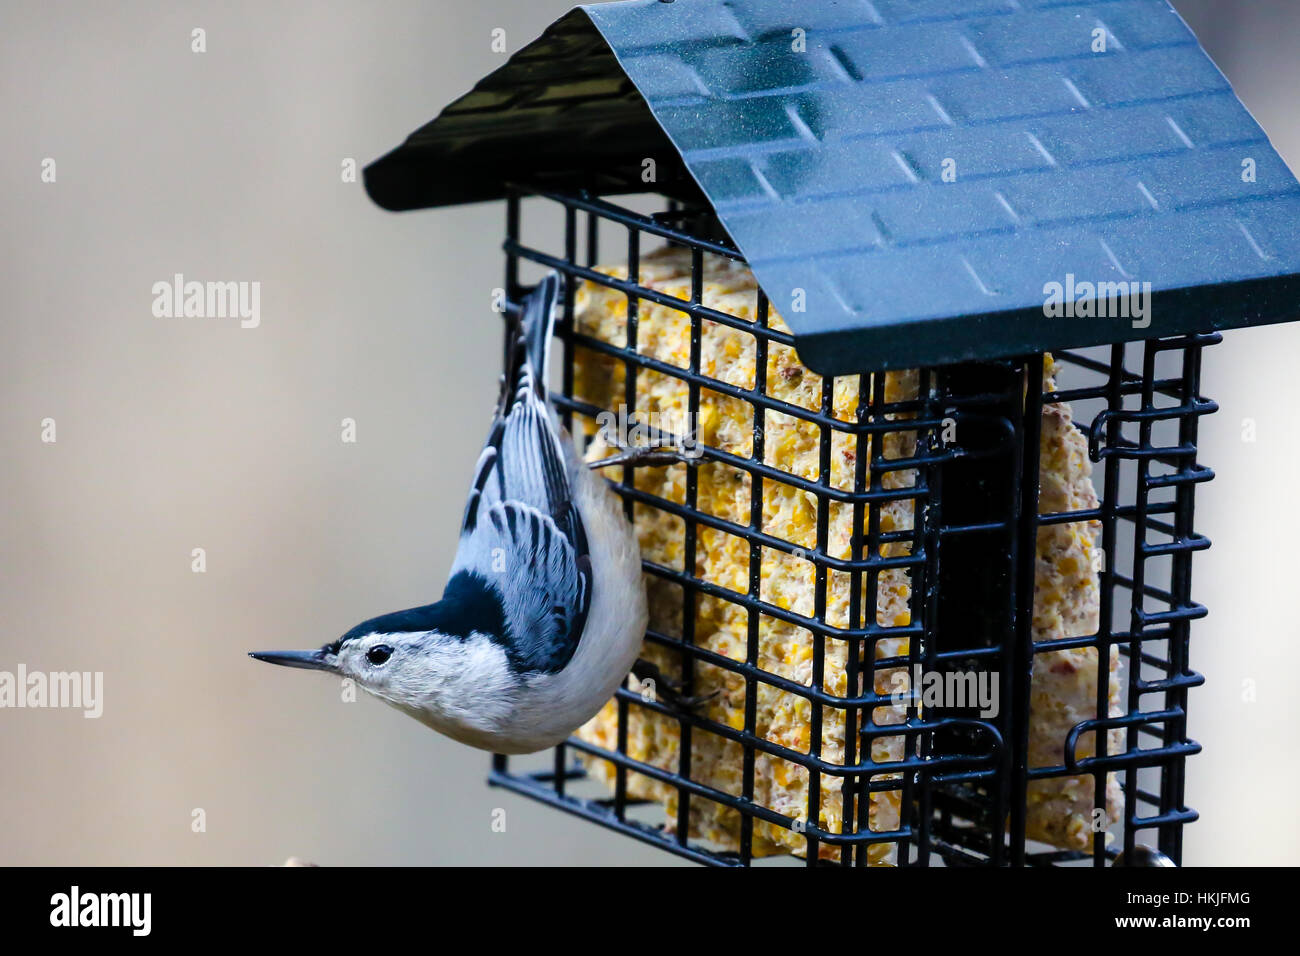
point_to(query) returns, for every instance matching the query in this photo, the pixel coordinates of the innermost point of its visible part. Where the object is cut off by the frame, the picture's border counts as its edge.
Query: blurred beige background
(175, 434)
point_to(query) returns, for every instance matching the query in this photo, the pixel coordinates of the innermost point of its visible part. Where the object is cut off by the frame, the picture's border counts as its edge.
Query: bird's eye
(379, 654)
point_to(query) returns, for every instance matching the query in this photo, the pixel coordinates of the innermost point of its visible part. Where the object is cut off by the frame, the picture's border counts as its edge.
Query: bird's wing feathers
(542, 579)
(522, 532)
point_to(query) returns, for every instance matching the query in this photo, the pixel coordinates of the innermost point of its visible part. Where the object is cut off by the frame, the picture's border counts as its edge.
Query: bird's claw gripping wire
(666, 689)
(650, 456)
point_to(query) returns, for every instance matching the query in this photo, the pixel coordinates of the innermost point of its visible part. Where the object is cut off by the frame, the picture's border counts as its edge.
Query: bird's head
(381, 659)
(412, 658)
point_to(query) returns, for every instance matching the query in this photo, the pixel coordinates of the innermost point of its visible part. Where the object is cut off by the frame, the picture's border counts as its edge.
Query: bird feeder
(925, 287)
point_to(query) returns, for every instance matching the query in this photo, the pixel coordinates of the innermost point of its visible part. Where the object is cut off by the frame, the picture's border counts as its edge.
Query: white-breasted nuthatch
(545, 608)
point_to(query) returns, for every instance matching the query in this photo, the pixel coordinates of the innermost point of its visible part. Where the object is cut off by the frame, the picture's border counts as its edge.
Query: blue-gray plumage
(522, 529)
(544, 609)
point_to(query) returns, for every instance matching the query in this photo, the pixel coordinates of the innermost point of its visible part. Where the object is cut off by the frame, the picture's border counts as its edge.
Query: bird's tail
(537, 322)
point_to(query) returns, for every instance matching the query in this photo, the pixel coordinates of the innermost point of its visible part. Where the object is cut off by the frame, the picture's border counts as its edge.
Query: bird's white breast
(464, 688)
(551, 706)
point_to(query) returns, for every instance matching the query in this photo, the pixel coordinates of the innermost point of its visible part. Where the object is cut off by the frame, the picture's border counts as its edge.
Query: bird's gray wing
(542, 579)
(524, 459)
(522, 531)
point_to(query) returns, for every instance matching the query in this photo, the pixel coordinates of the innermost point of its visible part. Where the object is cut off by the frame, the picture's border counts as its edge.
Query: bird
(544, 611)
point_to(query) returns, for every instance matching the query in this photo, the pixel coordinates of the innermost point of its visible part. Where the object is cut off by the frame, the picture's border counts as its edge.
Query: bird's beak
(317, 660)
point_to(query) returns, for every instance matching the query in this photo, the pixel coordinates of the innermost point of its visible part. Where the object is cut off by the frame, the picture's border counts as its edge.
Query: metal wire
(963, 782)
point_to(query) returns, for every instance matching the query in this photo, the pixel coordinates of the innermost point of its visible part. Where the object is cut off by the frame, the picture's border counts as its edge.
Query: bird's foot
(659, 686)
(651, 456)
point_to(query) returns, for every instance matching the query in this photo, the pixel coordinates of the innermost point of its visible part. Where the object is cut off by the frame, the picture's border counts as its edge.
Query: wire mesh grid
(930, 478)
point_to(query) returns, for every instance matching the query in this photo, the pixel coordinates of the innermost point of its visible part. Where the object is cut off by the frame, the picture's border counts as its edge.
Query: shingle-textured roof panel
(907, 177)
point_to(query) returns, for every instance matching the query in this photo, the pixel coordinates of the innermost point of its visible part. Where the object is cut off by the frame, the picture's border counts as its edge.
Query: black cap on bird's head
(328, 658)
(468, 606)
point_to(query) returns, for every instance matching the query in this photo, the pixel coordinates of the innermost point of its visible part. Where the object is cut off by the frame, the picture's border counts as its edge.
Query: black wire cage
(929, 572)
(962, 781)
